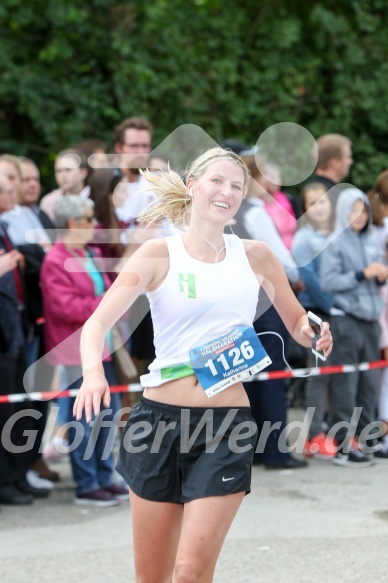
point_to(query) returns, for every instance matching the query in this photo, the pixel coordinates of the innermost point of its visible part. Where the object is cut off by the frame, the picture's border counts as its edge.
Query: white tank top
(196, 303)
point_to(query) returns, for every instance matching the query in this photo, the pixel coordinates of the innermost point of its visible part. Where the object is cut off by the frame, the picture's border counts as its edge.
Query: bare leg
(156, 528)
(205, 525)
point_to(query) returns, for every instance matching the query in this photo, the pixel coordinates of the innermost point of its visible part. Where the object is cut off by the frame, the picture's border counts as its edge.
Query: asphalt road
(321, 524)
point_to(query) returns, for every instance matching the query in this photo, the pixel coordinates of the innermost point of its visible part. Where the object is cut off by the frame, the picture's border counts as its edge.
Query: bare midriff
(187, 392)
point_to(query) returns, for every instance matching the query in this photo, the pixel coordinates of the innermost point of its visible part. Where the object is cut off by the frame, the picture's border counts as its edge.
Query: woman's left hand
(325, 342)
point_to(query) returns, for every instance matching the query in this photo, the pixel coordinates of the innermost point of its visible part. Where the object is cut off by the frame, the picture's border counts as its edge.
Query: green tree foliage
(73, 69)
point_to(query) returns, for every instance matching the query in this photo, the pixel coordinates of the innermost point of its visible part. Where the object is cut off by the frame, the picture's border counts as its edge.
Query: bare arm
(272, 278)
(144, 270)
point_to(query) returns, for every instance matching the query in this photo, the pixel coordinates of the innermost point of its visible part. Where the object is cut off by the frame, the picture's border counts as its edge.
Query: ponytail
(174, 202)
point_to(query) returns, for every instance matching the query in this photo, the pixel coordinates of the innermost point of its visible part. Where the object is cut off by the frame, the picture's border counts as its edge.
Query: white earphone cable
(284, 356)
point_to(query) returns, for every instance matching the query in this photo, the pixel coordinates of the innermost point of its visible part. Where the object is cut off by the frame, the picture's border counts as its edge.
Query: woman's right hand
(93, 389)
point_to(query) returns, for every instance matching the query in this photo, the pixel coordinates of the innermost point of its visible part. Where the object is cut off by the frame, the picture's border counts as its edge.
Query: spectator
(14, 466)
(30, 237)
(70, 297)
(133, 144)
(109, 229)
(334, 162)
(71, 173)
(280, 205)
(30, 191)
(267, 398)
(378, 199)
(23, 225)
(254, 222)
(350, 272)
(309, 242)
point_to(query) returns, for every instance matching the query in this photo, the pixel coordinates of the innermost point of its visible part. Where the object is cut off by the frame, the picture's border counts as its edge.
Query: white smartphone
(316, 325)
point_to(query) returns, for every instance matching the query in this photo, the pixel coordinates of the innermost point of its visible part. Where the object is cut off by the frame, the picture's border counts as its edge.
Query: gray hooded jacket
(344, 260)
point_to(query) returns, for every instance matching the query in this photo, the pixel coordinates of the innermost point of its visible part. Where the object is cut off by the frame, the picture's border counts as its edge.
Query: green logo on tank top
(187, 284)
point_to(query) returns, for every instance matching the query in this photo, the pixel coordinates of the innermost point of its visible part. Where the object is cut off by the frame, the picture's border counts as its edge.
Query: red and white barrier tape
(50, 395)
(335, 369)
(261, 376)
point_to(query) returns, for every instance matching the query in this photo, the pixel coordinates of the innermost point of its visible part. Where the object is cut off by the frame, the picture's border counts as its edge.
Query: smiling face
(218, 192)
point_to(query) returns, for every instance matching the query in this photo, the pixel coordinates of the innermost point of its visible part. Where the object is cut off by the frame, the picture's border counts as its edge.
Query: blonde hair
(174, 202)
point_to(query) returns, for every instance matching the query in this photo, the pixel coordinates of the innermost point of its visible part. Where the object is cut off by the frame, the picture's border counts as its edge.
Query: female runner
(187, 457)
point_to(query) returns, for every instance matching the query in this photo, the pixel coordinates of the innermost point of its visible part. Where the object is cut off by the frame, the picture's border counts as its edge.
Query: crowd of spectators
(62, 251)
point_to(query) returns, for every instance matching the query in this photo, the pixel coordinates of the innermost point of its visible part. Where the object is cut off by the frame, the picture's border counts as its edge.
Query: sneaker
(381, 455)
(355, 458)
(289, 463)
(12, 495)
(320, 447)
(120, 492)
(380, 452)
(375, 448)
(24, 486)
(44, 471)
(36, 481)
(99, 497)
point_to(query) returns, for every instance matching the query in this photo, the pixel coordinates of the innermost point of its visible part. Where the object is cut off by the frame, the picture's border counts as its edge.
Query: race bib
(228, 359)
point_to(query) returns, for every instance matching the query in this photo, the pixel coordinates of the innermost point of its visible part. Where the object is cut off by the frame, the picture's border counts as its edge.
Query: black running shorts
(175, 454)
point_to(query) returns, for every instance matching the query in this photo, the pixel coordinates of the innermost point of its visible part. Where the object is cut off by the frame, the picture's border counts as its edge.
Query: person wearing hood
(351, 273)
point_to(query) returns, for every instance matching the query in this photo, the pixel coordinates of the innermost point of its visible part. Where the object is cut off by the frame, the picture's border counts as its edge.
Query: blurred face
(6, 194)
(30, 188)
(11, 172)
(359, 216)
(70, 179)
(137, 144)
(318, 207)
(344, 163)
(83, 228)
(218, 193)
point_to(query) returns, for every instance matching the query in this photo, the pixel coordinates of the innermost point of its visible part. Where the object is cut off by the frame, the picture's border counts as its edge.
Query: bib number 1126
(228, 359)
(237, 355)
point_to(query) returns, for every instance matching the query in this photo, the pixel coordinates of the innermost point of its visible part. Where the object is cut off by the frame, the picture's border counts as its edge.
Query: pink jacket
(282, 214)
(68, 301)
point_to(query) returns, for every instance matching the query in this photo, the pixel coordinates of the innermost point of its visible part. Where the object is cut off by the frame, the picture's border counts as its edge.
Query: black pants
(268, 398)
(13, 463)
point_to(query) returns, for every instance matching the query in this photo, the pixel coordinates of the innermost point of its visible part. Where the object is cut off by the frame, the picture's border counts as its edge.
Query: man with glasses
(133, 138)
